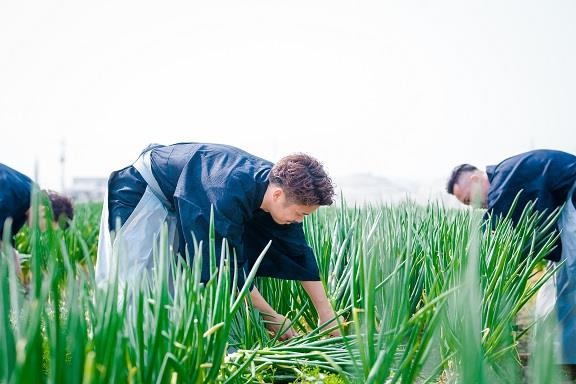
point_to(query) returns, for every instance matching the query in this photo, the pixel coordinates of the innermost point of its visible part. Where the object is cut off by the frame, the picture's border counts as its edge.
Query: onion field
(428, 294)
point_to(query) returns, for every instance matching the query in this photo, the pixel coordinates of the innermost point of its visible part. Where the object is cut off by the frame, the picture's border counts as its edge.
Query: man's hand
(278, 324)
(325, 312)
(327, 321)
(275, 323)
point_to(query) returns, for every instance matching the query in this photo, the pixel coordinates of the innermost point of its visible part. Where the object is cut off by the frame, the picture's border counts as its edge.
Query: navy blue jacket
(15, 190)
(544, 176)
(195, 177)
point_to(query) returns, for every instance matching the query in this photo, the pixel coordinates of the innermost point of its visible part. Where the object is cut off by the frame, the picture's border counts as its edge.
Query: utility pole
(36, 170)
(62, 166)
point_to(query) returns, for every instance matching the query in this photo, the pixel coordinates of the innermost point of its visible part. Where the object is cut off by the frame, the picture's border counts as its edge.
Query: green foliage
(316, 376)
(428, 295)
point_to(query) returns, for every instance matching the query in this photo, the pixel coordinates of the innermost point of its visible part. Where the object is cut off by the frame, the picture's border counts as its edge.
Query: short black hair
(455, 176)
(62, 208)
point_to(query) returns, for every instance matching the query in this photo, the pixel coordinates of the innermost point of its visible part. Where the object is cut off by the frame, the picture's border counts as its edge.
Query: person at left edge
(15, 203)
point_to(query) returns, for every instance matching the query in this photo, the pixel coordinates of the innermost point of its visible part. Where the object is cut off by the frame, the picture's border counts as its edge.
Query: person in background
(15, 203)
(253, 200)
(547, 178)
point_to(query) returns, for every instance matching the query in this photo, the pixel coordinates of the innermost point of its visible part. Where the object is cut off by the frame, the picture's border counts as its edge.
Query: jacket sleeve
(289, 256)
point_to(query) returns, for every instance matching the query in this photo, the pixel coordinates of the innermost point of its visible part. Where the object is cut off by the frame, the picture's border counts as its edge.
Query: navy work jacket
(198, 177)
(543, 176)
(15, 190)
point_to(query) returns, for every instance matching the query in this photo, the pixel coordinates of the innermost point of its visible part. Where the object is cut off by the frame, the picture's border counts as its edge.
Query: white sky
(393, 88)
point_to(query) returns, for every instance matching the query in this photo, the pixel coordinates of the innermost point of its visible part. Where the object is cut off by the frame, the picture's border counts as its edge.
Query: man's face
(285, 212)
(472, 189)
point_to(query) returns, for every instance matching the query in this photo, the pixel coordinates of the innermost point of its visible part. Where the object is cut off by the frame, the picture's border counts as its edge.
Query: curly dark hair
(455, 176)
(62, 207)
(303, 179)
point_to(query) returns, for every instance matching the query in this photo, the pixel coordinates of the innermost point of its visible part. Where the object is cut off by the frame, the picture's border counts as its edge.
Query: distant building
(373, 189)
(85, 189)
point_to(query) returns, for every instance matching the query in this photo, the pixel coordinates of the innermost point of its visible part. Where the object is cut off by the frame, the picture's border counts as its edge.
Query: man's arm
(326, 315)
(274, 321)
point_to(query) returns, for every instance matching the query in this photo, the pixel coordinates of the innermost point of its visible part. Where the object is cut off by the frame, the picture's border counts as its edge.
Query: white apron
(129, 254)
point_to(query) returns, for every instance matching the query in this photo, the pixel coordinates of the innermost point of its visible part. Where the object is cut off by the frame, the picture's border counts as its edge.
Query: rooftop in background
(85, 189)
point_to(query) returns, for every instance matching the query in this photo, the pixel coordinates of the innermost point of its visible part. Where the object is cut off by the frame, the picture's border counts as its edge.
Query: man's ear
(475, 177)
(277, 192)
